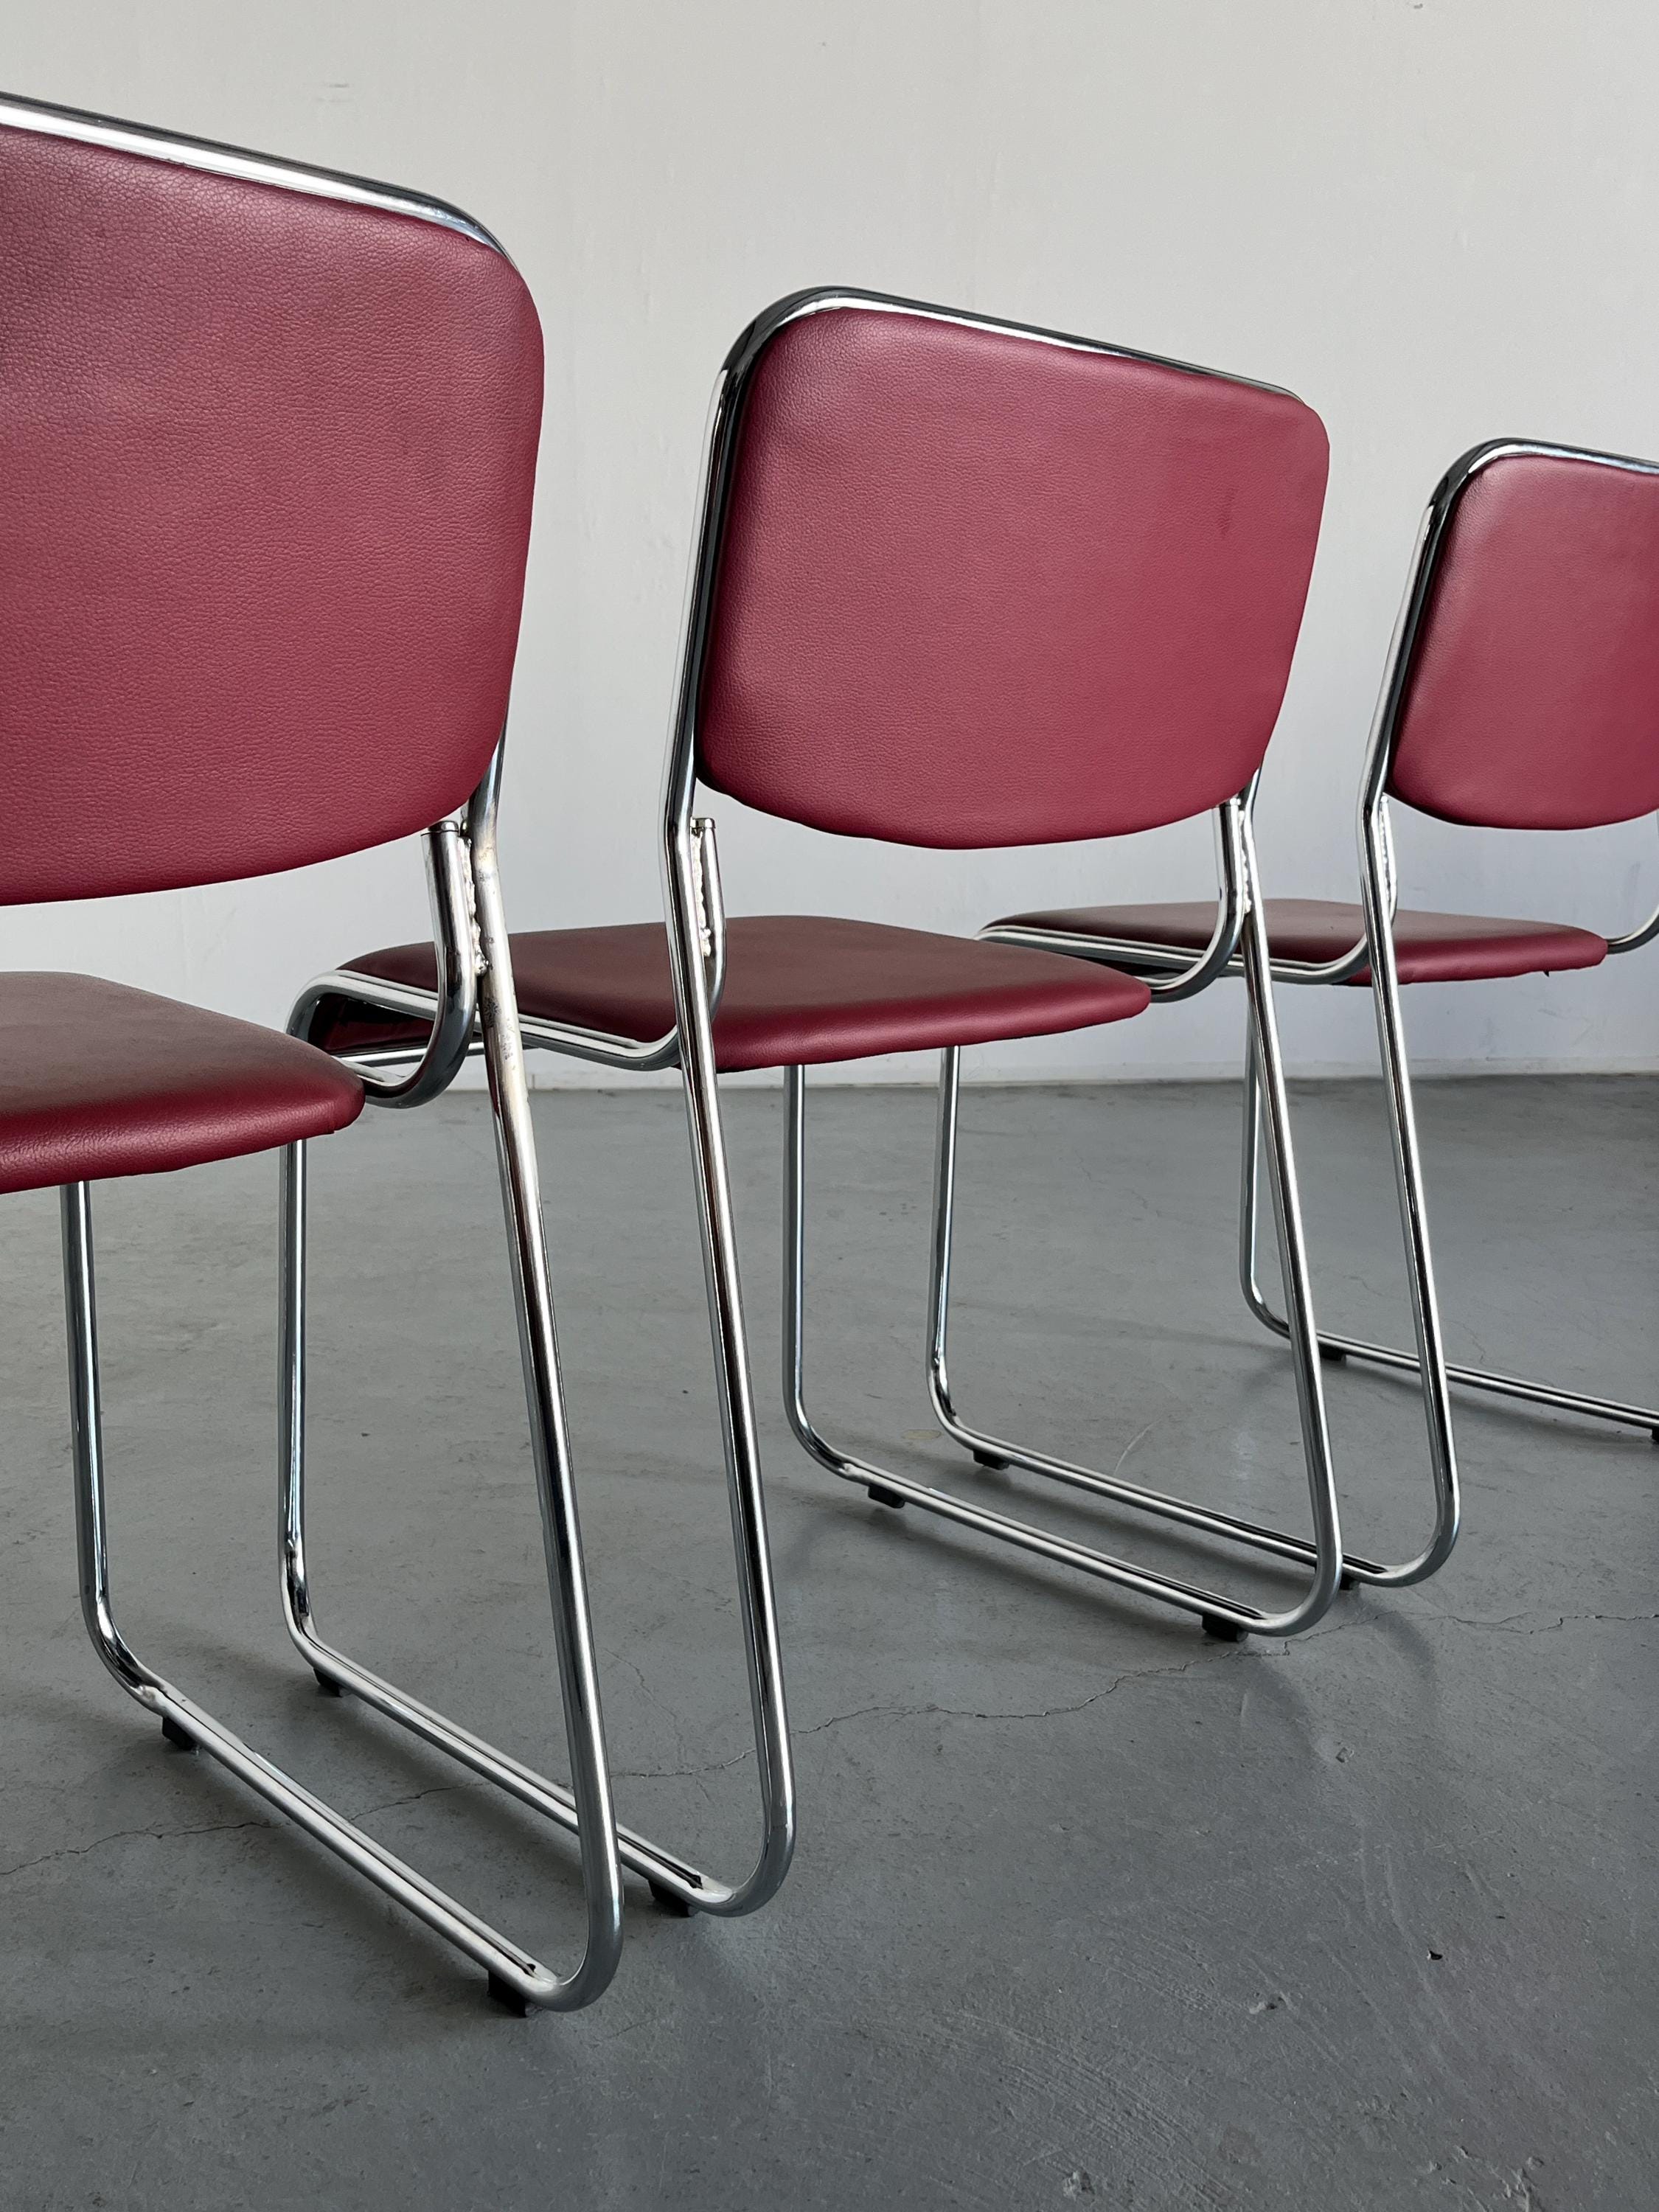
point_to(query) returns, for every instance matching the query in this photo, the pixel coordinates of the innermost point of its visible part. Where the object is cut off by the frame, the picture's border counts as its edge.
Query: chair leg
(1335, 1347)
(1220, 1614)
(1419, 1273)
(512, 1972)
(1443, 1462)
(757, 1598)
(675, 1882)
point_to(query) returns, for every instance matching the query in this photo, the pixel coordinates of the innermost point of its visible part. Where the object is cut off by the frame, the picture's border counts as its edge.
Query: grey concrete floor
(1085, 1907)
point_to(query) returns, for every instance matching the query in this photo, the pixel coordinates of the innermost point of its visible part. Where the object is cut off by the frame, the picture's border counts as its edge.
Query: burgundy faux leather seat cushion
(801, 989)
(1430, 948)
(97, 1080)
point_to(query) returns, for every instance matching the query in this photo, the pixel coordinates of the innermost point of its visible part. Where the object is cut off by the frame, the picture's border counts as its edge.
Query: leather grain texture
(97, 1080)
(976, 589)
(801, 989)
(1429, 948)
(1533, 700)
(266, 465)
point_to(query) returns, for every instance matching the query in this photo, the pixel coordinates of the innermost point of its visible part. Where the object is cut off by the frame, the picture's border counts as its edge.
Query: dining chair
(1521, 692)
(267, 453)
(967, 585)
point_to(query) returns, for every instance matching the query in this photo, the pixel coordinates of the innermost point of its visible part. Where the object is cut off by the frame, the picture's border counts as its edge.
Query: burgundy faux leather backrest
(1532, 699)
(266, 464)
(979, 587)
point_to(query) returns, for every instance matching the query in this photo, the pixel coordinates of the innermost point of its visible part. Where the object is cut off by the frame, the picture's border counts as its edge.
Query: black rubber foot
(1224, 1632)
(503, 1994)
(1332, 1357)
(990, 1460)
(670, 1900)
(178, 1738)
(329, 1687)
(884, 1497)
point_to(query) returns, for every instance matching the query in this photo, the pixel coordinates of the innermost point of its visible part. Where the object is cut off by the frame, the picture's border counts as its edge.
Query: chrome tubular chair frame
(470, 937)
(1376, 953)
(1322, 1556)
(695, 920)
(1377, 880)
(1377, 950)
(471, 947)
(696, 930)
(1224, 1616)
(674, 1882)
(516, 1977)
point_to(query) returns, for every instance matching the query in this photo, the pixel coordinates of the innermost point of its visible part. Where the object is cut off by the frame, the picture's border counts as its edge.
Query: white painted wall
(1433, 218)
